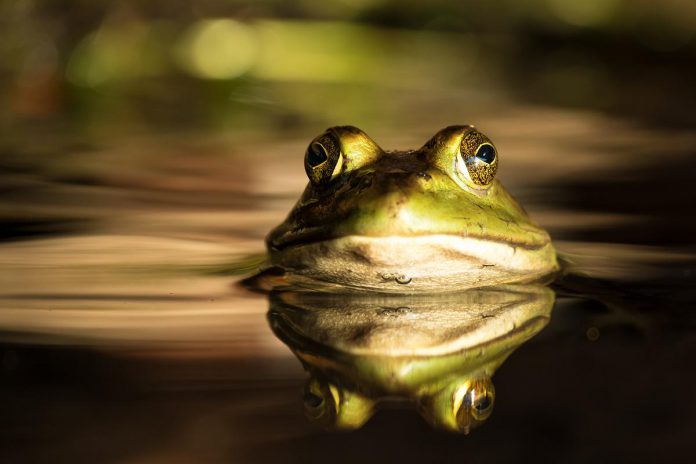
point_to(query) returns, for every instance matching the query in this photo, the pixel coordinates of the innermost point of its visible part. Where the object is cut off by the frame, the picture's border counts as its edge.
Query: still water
(125, 337)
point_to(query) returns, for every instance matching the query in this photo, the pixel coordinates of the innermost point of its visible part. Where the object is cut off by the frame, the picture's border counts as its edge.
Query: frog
(427, 220)
(433, 353)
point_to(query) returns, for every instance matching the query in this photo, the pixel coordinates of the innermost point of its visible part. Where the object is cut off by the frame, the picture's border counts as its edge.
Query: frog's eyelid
(357, 148)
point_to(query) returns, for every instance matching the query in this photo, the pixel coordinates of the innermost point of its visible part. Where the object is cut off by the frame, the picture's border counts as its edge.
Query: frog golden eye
(333, 407)
(323, 159)
(318, 401)
(473, 402)
(462, 405)
(477, 161)
(478, 401)
(339, 150)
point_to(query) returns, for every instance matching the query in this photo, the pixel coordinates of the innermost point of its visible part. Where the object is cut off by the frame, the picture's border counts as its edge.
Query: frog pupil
(486, 153)
(312, 400)
(483, 403)
(316, 155)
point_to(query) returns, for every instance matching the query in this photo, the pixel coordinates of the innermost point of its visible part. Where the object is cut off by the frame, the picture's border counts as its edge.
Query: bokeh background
(147, 147)
(232, 65)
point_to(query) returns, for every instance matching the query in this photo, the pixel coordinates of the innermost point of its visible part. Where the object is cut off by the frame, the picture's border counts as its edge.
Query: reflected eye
(315, 399)
(476, 402)
(462, 405)
(323, 159)
(481, 404)
(477, 161)
(314, 402)
(333, 407)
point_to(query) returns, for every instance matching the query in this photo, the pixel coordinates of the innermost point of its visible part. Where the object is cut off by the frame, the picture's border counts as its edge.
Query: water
(124, 337)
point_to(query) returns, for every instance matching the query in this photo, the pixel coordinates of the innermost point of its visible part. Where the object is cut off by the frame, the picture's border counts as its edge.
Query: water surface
(124, 337)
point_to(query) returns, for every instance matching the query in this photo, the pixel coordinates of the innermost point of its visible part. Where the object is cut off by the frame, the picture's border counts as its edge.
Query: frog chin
(428, 263)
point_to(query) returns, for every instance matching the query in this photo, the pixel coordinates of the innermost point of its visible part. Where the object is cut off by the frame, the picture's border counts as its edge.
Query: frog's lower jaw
(432, 263)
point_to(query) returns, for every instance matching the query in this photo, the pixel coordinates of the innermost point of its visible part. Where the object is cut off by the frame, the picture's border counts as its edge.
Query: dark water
(123, 337)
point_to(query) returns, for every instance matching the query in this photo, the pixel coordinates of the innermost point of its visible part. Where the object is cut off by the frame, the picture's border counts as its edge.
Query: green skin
(412, 221)
(357, 357)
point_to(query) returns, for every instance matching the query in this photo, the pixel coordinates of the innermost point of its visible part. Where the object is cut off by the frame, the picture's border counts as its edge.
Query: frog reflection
(436, 352)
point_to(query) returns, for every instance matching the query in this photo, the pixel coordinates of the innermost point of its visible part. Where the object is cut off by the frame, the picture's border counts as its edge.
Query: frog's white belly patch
(417, 264)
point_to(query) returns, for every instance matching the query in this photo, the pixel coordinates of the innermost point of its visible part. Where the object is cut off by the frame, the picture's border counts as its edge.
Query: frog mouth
(317, 235)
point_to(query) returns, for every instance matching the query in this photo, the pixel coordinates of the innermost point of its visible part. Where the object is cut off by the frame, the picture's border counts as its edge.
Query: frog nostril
(424, 175)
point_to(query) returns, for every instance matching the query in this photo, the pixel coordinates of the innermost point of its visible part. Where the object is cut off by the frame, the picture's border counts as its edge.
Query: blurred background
(147, 147)
(233, 66)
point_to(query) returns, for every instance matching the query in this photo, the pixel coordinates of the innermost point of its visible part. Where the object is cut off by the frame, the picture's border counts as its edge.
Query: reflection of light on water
(621, 262)
(125, 292)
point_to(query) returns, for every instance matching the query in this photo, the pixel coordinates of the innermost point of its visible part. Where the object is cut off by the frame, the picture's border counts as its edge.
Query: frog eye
(318, 402)
(333, 407)
(477, 160)
(323, 159)
(472, 403)
(339, 150)
(477, 400)
(462, 405)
